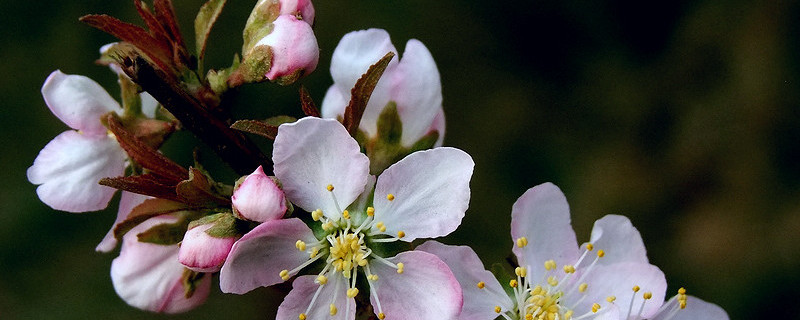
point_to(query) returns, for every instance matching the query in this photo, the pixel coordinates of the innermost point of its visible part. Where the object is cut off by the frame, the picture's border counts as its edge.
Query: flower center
(347, 251)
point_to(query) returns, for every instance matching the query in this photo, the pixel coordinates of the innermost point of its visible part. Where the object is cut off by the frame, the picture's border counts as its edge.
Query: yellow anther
(589, 247)
(400, 266)
(327, 226)
(373, 277)
(352, 292)
(636, 288)
(390, 197)
(333, 309)
(316, 214)
(520, 271)
(302, 316)
(683, 304)
(300, 245)
(284, 275)
(481, 285)
(401, 234)
(549, 265)
(568, 315)
(582, 288)
(497, 309)
(681, 297)
(346, 214)
(595, 307)
(569, 269)
(647, 295)
(370, 211)
(329, 187)
(381, 316)
(611, 299)
(513, 283)
(600, 253)
(522, 242)
(528, 316)
(313, 253)
(322, 280)
(682, 291)
(552, 281)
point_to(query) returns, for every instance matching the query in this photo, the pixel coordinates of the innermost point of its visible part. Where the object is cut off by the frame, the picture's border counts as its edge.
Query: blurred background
(682, 115)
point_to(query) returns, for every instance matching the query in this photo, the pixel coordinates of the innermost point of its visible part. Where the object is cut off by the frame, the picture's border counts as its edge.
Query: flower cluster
(336, 205)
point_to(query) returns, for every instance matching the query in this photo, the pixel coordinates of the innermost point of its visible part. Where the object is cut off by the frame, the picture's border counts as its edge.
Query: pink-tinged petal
(149, 277)
(258, 258)
(618, 280)
(479, 303)
(201, 252)
(303, 289)
(258, 198)
(417, 91)
(696, 309)
(69, 167)
(619, 239)
(292, 7)
(78, 101)
(438, 126)
(541, 215)
(430, 192)
(127, 202)
(294, 47)
(426, 289)
(313, 153)
(353, 56)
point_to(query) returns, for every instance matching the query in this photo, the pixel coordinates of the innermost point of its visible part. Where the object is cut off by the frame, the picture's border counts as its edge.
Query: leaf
(362, 91)
(225, 227)
(198, 190)
(265, 128)
(158, 52)
(190, 280)
(203, 23)
(390, 127)
(143, 154)
(309, 108)
(146, 184)
(165, 13)
(165, 233)
(146, 210)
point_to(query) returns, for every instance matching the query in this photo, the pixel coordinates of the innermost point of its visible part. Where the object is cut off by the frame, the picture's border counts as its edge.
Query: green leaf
(203, 23)
(165, 233)
(146, 210)
(225, 227)
(362, 91)
(265, 128)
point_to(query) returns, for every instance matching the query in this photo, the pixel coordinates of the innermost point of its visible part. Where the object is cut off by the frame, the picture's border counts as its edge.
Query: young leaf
(198, 190)
(143, 154)
(362, 91)
(309, 108)
(203, 23)
(266, 128)
(146, 184)
(146, 210)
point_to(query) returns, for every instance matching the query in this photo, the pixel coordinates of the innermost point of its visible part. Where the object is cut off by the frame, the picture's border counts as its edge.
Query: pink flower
(413, 84)
(202, 252)
(149, 277)
(607, 278)
(258, 198)
(322, 171)
(294, 48)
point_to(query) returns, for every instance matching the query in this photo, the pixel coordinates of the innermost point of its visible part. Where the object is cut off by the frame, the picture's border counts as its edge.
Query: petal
(541, 215)
(304, 7)
(258, 198)
(619, 239)
(78, 101)
(353, 56)
(69, 167)
(438, 126)
(294, 47)
(431, 193)
(149, 105)
(426, 289)
(201, 252)
(417, 91)
(618, 280)
(127, 202)
(149, 277)
(313, 153)
(258, 258)
(303, 290)
(479, 303)
(334, 103)
(696, 309)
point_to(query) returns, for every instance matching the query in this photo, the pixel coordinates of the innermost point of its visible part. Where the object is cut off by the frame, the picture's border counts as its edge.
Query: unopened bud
(258, 198)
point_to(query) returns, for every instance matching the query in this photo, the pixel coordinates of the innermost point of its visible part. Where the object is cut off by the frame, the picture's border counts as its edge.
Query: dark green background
(682, 115)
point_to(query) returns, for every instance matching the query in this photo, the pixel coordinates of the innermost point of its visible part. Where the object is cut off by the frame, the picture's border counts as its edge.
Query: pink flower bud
(203, 253)
(303, 8)
(294, 49)
(258, 198)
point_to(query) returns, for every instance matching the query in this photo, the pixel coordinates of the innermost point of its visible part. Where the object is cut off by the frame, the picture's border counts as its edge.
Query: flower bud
(203, 252)
(258, 198)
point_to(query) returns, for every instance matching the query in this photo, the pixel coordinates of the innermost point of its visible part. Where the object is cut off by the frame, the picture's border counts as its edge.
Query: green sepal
(218, 79)
(225, 225)
(201, 190)
(390, 127)
(203, 23)
(426, 142)
(146, 210)
(165, 233)
(190, 279)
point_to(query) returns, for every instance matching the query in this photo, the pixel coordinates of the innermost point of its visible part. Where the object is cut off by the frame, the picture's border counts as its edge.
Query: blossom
(258, 198)
(149, 277)
(607, 278)
(202, 252)
(322, 171)
(412, 83)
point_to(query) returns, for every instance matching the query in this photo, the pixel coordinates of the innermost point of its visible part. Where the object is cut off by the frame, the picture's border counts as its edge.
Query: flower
(322, 171)
(607, 278)
(258, 198)
(202, 252)
(149, 277)
(413, 84)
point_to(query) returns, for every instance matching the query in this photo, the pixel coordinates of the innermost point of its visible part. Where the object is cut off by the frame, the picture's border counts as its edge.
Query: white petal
(417, 91)
(78, 101)
(431, 193)
(313, 153)
(69, 167)
(334, 103)
(618, 280)
(149, 105)
(479, 303)
(541, 215)
(127, 202)
(696, 309)
(303, 289)
(439, 126)
(148, 276)
(619, 239)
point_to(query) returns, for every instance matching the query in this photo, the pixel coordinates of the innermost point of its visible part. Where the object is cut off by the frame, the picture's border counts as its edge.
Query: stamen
(400, 234)
(595, 307)
(520, 271)
(569, 269)
(372, 290)
(646, 296)
(302, 316)
(300, 245)
(582, 288)
(400, 266)
(316, 215)
(346, 214)
(513, 283)
(381, 315)
(352, 292)
(333, 309)
(329, 187)
(370, 211)
(601, 253)
(481, 285)
(611, 299)
(589, 247)
(390, 197)
(549, 265)
(322, 280)
(497, 309)
(633, 296)
(522, 242)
